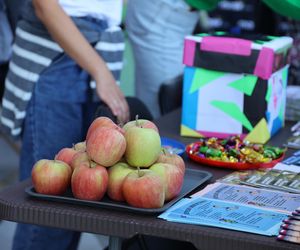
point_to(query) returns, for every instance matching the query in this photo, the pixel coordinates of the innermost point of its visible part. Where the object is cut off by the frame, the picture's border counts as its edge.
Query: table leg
(115, 243)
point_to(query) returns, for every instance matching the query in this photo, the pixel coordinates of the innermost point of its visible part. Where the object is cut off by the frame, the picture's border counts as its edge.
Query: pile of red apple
(127, 163)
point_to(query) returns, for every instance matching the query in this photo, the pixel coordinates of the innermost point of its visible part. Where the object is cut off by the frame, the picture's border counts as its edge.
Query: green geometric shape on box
(284, 83)
(202, 34)
(284, 76)
(272, 37)
(268, 94)
(281, 112)
(245, 84)
(259, 41)
(233, 111)
(220, 33)
(203, 77)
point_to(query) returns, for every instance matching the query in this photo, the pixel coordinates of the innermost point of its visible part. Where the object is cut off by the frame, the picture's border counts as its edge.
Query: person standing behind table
(288, 22)
(67, 57)
(156, 30)
(14, 10)
(6, 38)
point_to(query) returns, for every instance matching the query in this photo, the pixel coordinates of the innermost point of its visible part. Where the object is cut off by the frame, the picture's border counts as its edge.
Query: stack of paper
(291, 228)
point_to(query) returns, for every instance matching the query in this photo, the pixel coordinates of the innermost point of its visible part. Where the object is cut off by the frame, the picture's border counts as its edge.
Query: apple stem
(164, 150)
(139, 172)
(137, 120)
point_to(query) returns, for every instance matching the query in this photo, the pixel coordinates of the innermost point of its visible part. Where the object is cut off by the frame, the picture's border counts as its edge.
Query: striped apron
(33, 51)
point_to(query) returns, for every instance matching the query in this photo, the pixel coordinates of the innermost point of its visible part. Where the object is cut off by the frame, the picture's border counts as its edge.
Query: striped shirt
(33, 51)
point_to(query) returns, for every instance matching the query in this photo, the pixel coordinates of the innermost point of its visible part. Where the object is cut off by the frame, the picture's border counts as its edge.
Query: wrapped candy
(234, 149)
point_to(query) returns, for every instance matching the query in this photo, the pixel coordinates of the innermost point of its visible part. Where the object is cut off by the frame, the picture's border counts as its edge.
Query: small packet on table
(284, 179)
(269, 177)
(293, 142)
(236, 177)
(294, 184)
(255, 176)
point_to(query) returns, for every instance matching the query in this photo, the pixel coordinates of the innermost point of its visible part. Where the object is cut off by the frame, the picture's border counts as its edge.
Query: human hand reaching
(110, 93)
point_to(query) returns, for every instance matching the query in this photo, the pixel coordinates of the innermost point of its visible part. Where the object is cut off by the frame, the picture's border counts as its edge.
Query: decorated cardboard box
(234, 86)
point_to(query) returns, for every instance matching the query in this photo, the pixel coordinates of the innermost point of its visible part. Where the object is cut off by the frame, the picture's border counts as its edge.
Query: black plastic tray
(193, 178)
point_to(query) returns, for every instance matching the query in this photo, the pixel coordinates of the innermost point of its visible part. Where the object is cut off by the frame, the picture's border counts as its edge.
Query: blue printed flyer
(224, 214)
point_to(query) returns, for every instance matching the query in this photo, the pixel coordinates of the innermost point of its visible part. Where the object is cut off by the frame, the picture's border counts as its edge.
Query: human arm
(66, 34)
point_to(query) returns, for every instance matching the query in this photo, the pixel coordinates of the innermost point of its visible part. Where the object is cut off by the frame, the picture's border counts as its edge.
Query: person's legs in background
(3, 72)
(156, 30)
(6, 38)
(52, 123)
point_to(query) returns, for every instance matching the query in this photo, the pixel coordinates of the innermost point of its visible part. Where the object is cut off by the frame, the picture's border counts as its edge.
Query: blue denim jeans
(55, 119)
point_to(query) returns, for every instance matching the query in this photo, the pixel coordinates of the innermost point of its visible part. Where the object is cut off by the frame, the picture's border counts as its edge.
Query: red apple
(51, 176)
(172, 178)
(174, 159)
(144, 189)
(65, 155)
(106, 146)
(101, 122)
(89, 182)
(116, 176)
(143, 146)
(78, 158)
(143, 123)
